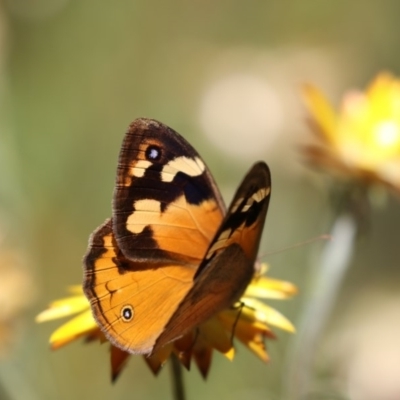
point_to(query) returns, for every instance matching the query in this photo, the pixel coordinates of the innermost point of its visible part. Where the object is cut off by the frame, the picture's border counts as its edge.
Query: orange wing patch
(183, 226)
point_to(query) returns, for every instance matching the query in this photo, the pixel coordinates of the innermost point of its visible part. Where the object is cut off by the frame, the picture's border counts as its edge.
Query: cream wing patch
(258, 196)
(261, 194)
(146, 211)
(189, 166)
(139, 169)
(220, 243)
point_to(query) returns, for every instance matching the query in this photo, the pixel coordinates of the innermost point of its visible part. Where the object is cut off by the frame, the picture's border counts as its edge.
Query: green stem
(177, 379)
(330, 271)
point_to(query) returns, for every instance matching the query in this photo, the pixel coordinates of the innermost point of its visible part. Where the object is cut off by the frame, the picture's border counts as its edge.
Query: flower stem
(177, 379)
(3, 393)
(331, 269)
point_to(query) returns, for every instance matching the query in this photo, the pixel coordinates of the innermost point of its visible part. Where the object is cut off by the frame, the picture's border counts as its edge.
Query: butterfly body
(171, 256)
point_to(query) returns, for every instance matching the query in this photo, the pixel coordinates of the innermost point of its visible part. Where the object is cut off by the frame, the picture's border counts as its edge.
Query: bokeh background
(227, 76)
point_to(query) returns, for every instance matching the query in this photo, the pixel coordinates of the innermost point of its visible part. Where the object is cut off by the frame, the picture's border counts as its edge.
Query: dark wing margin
(100, 249)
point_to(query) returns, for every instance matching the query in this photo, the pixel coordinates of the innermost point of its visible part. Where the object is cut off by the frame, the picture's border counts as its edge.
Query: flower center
(387, 134)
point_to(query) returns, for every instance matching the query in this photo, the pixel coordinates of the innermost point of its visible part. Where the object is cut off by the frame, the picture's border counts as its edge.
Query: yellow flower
(362, 140)
(249, 322)
(15, 279)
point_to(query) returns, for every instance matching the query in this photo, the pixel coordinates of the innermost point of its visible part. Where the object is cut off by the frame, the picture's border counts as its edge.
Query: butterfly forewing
(244, 221)
(229, 264)
(166, 203)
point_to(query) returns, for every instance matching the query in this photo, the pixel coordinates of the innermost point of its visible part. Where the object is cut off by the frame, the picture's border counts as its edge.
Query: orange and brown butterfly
(161, 275)
(171, 256)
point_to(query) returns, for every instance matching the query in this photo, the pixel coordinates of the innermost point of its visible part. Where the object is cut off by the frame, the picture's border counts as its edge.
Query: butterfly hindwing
(131, 302)
(166, 203)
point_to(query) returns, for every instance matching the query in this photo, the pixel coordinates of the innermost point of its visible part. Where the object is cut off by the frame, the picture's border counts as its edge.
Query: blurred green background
(227, 76)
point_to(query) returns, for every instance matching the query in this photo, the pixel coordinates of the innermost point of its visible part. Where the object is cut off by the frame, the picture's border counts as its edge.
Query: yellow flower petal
(214, 334)
(381, 88)
(248, 324)
(257, 346)
(364, 141)
(230, 354)
(249, 331)
(63, 308)
(247, 318)
(267, 288)
(321, 111)
(71, 330)
(269, 315)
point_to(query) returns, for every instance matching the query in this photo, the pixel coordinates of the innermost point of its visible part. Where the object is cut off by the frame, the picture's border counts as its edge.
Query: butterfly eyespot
(127, 313)
(153, 153)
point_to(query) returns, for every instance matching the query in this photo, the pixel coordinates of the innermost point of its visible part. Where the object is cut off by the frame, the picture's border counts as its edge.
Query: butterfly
(171, 256)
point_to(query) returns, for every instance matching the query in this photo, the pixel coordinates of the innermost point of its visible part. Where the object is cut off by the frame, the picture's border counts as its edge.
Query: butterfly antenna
(240, 308)
(299, 244)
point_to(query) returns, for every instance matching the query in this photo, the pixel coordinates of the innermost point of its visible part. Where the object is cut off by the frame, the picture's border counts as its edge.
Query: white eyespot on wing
(189, 166)
(146, 212)
(127, 313)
